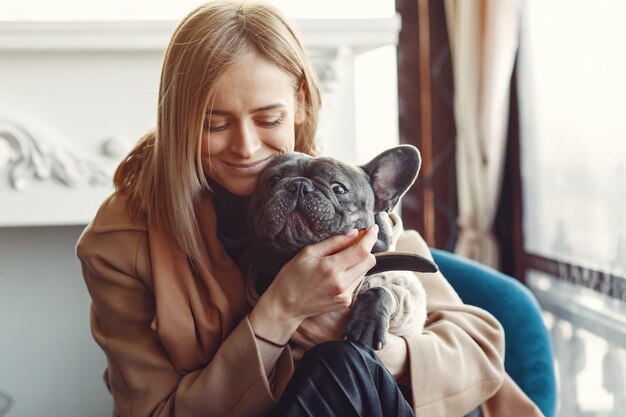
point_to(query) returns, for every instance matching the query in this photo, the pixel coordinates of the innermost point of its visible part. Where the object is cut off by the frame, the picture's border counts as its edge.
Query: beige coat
(179, 343)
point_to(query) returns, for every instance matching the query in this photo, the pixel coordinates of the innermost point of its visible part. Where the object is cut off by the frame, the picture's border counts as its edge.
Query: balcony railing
(589, 335)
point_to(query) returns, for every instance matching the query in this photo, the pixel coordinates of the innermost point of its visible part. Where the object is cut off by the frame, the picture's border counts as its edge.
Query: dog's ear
(391, 174)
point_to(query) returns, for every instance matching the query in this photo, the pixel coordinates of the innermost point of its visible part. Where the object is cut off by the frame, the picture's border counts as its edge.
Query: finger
(354, 286)
(363, 245)
(357, 251)
(356, 273)
(334, 244)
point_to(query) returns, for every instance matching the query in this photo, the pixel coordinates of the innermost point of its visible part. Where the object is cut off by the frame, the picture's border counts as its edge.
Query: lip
(250, 168)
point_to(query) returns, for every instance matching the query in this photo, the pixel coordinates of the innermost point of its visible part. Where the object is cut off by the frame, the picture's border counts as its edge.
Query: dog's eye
(271, 181)
(338, 188)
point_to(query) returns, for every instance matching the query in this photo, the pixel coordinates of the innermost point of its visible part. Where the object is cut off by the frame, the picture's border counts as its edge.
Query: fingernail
(375, 227)
(352, 232)
(379, 345)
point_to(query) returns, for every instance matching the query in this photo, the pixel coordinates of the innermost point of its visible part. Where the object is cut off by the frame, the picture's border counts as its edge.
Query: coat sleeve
(458, 361)
(140, 374)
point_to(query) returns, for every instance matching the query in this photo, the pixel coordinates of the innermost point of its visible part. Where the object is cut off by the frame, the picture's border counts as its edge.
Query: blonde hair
(162, 176)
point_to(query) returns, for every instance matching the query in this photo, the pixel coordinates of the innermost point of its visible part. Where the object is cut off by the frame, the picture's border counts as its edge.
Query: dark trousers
(343, 379)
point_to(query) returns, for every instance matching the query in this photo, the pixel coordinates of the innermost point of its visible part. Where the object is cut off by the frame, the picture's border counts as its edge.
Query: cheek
(286, 139)
(286, 143)
(212, 144)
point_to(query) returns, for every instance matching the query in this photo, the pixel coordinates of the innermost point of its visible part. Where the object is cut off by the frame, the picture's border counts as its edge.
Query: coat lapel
(196, 308)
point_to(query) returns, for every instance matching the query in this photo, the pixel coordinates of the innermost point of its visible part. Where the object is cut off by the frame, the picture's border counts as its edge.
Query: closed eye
(216, 127)
(271, 122)
(219, 128)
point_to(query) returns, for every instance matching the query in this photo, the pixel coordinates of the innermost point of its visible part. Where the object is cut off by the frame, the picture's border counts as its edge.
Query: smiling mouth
(252, 168)
(251, 164)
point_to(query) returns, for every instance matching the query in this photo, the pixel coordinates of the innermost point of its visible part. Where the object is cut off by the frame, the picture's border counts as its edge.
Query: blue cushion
(528, 350)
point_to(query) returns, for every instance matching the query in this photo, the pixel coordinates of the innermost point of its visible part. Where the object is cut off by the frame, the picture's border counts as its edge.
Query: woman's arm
(140, 374)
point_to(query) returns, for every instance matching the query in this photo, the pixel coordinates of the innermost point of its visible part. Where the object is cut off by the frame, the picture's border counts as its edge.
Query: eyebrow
(258, 109)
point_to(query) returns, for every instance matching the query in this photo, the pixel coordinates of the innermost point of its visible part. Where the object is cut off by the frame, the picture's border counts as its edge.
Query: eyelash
(215, 129)
(276, 122)
(271, 123)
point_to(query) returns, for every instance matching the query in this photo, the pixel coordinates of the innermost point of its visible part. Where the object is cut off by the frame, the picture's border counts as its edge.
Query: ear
(300, 105)
(391, 174)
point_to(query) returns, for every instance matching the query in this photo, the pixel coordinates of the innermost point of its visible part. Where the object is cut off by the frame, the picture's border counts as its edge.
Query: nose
(246, 142)
(301, 186)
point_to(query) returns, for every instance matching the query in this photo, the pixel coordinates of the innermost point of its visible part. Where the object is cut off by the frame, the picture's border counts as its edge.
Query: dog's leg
(369, 319)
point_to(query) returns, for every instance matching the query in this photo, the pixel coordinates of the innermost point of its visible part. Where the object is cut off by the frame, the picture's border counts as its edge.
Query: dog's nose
(301, 186)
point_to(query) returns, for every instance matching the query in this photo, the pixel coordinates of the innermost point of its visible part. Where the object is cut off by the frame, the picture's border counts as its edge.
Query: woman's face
(251, 120)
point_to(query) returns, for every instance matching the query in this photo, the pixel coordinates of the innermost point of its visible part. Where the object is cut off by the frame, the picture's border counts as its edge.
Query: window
(572, 92)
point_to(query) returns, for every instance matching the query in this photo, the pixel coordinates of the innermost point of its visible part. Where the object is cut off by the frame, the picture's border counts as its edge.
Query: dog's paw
(369, 319)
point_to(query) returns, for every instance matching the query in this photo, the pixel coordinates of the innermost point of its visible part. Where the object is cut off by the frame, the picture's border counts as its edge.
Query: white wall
(49, 364)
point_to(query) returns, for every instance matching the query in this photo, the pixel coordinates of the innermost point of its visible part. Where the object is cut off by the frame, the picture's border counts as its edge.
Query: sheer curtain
(572, 95)
(484, 37)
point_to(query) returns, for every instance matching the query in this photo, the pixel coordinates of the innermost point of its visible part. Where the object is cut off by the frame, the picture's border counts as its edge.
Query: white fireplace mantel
(153, 35)
(74, 96)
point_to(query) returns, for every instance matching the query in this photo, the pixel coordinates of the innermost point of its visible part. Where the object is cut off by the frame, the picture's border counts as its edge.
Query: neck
(231, 211)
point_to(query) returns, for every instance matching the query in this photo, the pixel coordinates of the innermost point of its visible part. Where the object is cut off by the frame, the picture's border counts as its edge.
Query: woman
(165, 257)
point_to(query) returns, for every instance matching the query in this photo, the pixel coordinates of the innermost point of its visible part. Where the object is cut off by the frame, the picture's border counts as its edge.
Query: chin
(241, 188)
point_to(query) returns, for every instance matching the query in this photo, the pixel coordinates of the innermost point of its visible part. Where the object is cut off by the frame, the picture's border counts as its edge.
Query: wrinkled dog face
(303, 200)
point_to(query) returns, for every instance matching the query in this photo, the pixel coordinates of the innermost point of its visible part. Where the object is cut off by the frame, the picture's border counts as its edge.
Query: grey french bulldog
(301, 200)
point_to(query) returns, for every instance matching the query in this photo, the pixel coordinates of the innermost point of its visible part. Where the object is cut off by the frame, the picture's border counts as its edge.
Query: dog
(301, 200)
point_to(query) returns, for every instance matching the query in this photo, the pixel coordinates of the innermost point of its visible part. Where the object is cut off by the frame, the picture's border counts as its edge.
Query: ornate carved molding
(32, 157)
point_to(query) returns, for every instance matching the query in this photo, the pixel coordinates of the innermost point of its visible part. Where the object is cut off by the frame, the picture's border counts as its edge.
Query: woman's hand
(320, 279)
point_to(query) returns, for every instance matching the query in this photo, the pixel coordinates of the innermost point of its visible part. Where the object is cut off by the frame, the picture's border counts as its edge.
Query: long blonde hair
(162, 176)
